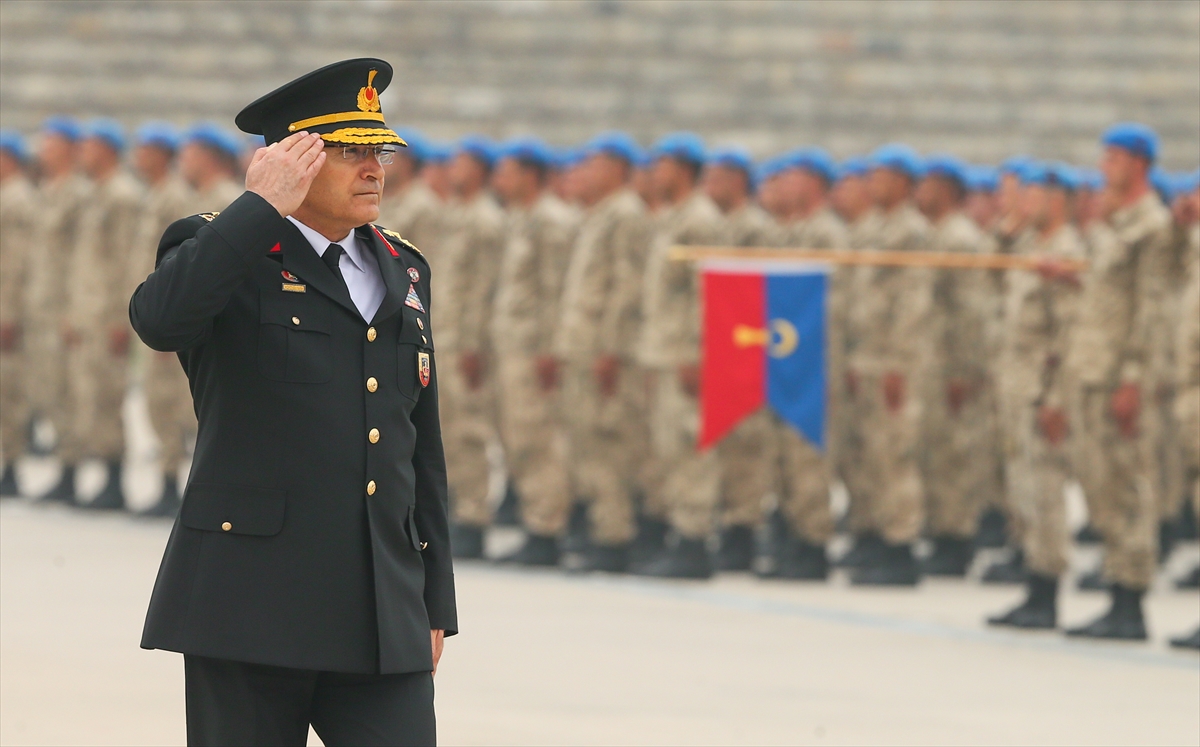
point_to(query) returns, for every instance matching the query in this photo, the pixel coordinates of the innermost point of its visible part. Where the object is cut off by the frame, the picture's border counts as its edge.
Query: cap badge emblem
(368, 97)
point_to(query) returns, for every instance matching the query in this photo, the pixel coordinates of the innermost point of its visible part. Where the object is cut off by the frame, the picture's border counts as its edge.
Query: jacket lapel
(301, 260)
(392, 268)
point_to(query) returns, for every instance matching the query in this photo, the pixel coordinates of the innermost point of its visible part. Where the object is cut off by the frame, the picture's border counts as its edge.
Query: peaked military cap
(340, 102)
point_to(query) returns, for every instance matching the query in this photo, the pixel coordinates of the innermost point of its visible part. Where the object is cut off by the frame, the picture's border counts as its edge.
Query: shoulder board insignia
(408, 244)
(209, 216)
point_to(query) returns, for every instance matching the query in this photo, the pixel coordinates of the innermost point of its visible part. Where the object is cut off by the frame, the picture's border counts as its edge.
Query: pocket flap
(412, 333)
(234, 509)
(295, 313)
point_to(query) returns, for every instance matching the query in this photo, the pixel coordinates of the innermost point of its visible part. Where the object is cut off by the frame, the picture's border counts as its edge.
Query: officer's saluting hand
(308, 578)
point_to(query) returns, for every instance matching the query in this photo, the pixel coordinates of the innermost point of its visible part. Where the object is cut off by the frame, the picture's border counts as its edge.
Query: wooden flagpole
(871, 257)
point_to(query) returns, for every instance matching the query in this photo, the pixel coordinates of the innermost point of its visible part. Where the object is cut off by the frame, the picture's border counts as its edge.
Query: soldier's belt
(951, 260)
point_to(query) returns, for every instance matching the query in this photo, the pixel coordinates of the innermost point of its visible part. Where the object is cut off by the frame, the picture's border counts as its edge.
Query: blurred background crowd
(963, 403)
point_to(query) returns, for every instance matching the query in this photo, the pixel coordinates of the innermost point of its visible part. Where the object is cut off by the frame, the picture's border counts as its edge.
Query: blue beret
(948, 166)
(812, 160)
(254, 142)
(982, 178)
(64, 126)
(1057, 175)
(12, 142)
(1015, 165)
(216, 137)
(1163, 184)
(897, 157)
(682, 146)
(108, 130)
(570, 156)
(734, 157)
(1134, 137)
(854, 166)
(528, 149)
(480, 148)
(415, 141)
(158, 134)
(1189, 182)
(616, 144)
(770, 168)
(436, 152)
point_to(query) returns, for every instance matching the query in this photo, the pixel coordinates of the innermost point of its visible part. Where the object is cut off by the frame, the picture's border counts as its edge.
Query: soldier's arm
(200, 263)
(554, 250)
(619, 323)
(480, 284)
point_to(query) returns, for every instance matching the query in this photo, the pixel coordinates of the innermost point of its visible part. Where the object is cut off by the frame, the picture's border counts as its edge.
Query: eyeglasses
(385, 154)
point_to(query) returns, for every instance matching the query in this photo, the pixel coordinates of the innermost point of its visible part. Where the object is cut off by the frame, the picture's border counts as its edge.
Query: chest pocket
(414, 351)
(294, 342)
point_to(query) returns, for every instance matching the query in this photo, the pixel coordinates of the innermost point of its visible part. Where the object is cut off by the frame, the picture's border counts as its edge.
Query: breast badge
(423, 372)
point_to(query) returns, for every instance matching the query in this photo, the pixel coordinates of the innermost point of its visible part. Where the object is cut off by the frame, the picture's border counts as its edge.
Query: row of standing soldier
(568, 337)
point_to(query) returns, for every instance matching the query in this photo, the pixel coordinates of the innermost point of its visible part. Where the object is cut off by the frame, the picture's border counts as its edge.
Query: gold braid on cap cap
(325, 119)
(364, 136)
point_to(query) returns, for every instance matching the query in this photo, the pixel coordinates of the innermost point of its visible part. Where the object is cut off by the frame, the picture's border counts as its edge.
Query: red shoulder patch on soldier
(386, 243)
(275, 249)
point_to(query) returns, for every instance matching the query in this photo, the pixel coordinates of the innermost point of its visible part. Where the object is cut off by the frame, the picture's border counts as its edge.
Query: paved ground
(549, 659)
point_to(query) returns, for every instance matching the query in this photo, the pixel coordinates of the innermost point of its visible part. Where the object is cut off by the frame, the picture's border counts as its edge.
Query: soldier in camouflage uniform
(602, 390)
(469, 257)
(669, 347)
(410, 207)
(17, 222)
(1039, 315)
(62, 195)
(541, 231)
(169, 399)
(97, 331)
(1110, 364)
(960, 459)
(748, 454)
(889, 354)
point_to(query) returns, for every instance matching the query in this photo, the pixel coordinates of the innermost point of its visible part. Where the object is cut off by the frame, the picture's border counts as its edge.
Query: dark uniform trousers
(313, 537)
(233, 703)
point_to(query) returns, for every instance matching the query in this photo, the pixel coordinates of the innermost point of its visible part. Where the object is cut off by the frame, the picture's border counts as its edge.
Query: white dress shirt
(359, 269)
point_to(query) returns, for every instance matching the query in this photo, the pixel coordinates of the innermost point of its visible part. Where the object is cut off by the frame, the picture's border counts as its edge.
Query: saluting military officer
(17, 223)
(308, 578)
(540, 233)
(960, 458)
(1110, 363)
(168, 398)
(1039, 317)
(96, 330)
(748, 453)
(410, 206)
(61, 196)
(468, 258)
(669, 348)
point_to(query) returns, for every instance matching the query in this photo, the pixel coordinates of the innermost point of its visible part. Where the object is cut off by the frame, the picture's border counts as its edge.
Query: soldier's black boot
(799, 560)
(466, 541)
(951, 557)
(688, 559)
(1190, 581)
(64, 491)
(1187, 641)
(508, 513)
(993, 529)
(777, 533)
(1011, 571)
(1039, 611)
(1123, 621)
(737, 549)
(1169, 532)
(578, 525)
(605, 558)
(650, 541)
(169, 502)
(1088, 535)
(895, 566)
(868, 548)
(111, 497)
(1092, 580)
(538, 550)
(8, 482)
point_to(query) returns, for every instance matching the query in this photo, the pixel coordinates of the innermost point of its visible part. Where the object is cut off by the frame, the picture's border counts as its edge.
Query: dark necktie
(331, 258)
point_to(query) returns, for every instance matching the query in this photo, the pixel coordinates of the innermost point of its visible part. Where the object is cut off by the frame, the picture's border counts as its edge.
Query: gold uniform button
(295, 320)
(372, 384)
(424, 545)
(371, 488)
(423, 340)
(371, 334)
(420, 324)
(373, 435)
(226, 527)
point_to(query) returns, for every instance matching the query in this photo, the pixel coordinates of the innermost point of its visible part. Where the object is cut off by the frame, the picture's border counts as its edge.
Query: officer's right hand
(282, 172)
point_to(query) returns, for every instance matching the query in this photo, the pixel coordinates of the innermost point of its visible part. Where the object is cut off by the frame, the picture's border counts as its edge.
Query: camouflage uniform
(523, 322)
(97, 302)
(168, 396)
(1112, 347)
(888, 336)
(468, 258)
(1039, 317)
(600, 315)
(670, 339)
(749, 453)
(960, 468)
(17, 225)
(416, 214)
(1187, 365)
(59, 207)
